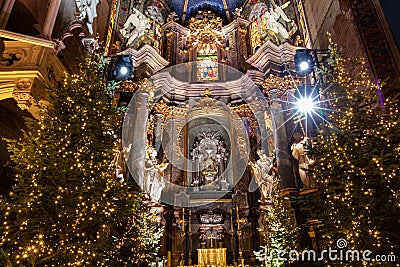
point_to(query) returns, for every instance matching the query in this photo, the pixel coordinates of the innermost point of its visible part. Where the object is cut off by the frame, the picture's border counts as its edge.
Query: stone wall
(336, 17)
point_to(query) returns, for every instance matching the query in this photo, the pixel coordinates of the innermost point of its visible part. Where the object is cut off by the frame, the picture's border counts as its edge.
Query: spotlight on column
(304, 61)
(121, 67)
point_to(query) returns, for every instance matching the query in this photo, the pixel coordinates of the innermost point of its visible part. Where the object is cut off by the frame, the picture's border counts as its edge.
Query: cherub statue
(299, 152)
(172, 17)
(238, 12)
(264, 174)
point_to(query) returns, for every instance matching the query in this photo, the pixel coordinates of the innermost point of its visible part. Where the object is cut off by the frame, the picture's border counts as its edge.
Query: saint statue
(172, 17)
(273, 21)
(153, 182)
(299, 152)
(264, 174)
(119, 165)
(158, 182)
(155, 14)
(238, 13)
(210, 158)
(87, 12)
(134, 27)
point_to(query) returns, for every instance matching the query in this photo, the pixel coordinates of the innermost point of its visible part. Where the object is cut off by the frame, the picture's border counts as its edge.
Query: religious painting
(271, 23)
(257, 11)
(258, 29)
(155, 33)
(207, 68)
(249, 7)
(156, 11)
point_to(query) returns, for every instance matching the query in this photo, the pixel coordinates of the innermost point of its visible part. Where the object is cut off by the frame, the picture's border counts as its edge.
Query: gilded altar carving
(212, 256)
(208, 105)
(210, 158)
(283, 84)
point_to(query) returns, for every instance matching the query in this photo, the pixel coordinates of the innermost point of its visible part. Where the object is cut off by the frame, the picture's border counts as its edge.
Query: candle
(190, 218)
(183, 219)
(232, 221)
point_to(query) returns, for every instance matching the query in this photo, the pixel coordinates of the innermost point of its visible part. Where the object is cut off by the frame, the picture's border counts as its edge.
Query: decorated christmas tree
(277, 230)
(357, 156)
(67, 207)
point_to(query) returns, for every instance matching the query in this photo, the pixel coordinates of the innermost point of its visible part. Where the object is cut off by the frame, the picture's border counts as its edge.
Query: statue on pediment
(265, 174)
(153, 182)
(299, 152)
(273, 23)
(135, 27)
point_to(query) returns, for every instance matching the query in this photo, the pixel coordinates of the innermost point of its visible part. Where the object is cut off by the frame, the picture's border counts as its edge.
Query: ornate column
(137, 134)
(378, 42)
(22, 92)
(263, 130)
(168, 235)
(239, 234)
(158, 131)
(283, 157)
(5, 12)
(190, 247)
(51, 16)
(176, 50)
(233, 238)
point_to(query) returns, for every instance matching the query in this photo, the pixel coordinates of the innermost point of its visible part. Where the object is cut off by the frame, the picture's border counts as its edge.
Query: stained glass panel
(207, 68)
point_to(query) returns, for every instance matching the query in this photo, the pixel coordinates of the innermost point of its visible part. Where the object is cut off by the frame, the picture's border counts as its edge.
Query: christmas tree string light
(357, 162)
(67, 207)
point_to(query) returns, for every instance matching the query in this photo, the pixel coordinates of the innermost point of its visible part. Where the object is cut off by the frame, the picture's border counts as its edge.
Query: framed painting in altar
(207, 68)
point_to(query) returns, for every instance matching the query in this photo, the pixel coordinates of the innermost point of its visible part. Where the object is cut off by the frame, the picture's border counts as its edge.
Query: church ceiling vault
(192, 6)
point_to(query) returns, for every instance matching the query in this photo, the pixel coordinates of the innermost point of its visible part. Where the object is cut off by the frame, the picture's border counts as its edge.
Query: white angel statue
(87, 12)
(153, 182)
(299, 153)
(276, 12)
(265, 177)
(134, 27)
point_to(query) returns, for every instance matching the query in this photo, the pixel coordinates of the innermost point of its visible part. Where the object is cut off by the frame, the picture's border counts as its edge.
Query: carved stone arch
(70, 47)
(22, 20)
(38, 9)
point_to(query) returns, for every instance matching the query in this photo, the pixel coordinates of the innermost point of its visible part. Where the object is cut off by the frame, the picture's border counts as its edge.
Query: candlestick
(231, 220)
(183, 220)
(190, 216)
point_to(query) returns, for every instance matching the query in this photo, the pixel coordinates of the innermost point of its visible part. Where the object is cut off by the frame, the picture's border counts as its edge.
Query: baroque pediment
(271, 58)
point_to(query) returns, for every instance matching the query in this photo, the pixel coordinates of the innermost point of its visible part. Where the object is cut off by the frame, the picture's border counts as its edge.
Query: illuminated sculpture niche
(210, 157)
